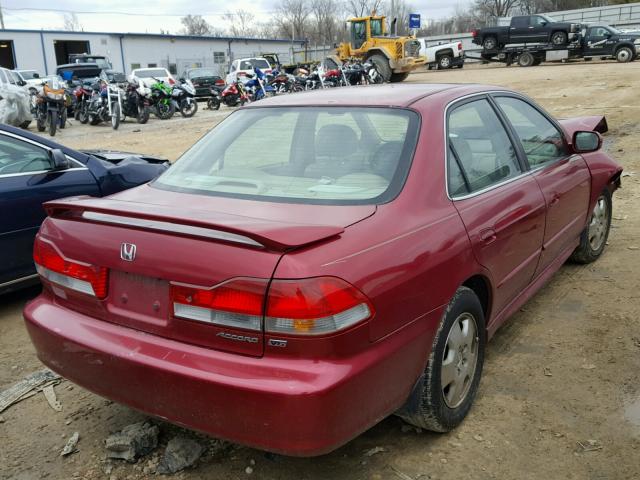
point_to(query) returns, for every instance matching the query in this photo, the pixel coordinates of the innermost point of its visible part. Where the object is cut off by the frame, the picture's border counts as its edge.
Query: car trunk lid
(151, 251)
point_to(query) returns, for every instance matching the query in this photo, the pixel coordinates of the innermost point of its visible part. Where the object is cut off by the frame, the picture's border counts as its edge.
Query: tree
(494, 8)
(360, 8)
(292, 18)
(325, 21)
(399, 10)
(72, 23)
(195, 25)
(241, 23)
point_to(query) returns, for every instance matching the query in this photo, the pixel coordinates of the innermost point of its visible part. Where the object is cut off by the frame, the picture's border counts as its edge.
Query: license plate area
(139, 298)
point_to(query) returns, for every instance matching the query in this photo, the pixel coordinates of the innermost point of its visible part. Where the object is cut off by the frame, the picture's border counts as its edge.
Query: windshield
(28, 74)
(547, 19)
(156, 72)
(253, 63)
(327, 155)
(201, 72)
(376, 27)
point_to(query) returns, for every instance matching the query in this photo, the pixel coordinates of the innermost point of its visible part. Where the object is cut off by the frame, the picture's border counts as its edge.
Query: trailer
(593, 41)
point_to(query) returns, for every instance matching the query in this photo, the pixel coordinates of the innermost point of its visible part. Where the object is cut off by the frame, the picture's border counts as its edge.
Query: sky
(152, 16)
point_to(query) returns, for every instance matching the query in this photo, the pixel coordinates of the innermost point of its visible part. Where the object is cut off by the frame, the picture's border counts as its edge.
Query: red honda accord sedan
(320, 261)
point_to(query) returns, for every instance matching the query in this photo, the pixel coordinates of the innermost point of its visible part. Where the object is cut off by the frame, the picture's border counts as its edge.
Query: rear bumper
(292, 406)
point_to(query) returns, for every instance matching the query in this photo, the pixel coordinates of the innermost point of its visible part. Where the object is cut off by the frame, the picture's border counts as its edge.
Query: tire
(143, 114)
(593, 239)
(53, 123)
(84, 114)
(24, 125)
(537, 62)
(94, 119)
(63, 118)
(188, 108)
(559, 38)
(490, 43)
(164, 111)
(213, 103)
(444, 62)
(382, 65)
(115, 115)
(526, 59)
(439, 408)
(41, 122)
(624, 55)
(399, 77)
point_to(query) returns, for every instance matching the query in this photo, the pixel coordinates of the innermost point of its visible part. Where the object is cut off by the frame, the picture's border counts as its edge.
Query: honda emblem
(128, 252)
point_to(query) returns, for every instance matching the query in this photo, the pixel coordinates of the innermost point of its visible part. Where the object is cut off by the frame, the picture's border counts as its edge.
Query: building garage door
(7, 58)
(64, 48)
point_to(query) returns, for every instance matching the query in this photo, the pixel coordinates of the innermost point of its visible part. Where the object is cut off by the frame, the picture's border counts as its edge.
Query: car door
(27, 179)
(597, 42)
(520, 30)
(538, 30)
(564, 178)
(500, 204)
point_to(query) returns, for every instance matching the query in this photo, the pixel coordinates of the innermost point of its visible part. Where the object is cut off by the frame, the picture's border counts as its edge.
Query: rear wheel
(382, 65)
(624, 55)
(490, 43)
(444, 61)
(559, 38)
(594, 237)
(445, 392)
(84, 113)
(24, 125)
(526, 59)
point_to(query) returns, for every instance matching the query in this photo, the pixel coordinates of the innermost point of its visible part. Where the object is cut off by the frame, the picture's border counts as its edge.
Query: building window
(135, 66)
(152, 65)
(218, 57)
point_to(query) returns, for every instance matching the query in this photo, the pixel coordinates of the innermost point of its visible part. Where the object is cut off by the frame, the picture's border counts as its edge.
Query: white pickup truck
(444, 55)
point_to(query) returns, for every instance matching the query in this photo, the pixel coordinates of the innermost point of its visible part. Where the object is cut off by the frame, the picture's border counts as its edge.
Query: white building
(43, 50)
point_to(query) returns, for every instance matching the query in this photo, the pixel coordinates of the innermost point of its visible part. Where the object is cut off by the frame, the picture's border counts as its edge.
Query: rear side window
(520, 22)
(482, 153)
(329, 155)
(543, 143)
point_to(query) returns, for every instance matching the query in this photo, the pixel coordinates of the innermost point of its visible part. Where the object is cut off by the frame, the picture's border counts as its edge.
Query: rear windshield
(159, 72)
(324, 155)
(201, 72)
(28, 74)
(254, 63)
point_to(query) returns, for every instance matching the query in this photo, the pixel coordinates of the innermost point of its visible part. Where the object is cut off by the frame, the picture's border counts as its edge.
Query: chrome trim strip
(22, 174)
(170, 227)
(18, 280)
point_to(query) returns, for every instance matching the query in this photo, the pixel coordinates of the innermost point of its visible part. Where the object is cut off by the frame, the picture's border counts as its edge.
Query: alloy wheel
(459, 360)
(599, 223)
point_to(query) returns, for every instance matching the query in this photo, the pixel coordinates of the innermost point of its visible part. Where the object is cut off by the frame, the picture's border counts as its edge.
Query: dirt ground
(560, 394)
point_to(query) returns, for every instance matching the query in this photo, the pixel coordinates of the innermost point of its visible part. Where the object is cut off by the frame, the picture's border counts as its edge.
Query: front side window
(376, 28)
(543, 143)
(329, 155)
(482, 151)
(17, 156)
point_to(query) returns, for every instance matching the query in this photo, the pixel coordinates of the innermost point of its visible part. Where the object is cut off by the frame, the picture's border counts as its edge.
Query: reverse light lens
(77, 276)
(236, 303)
(314, 306)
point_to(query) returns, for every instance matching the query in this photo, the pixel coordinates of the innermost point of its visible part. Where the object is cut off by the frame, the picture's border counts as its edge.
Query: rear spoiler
(594, 123)
(240, 229)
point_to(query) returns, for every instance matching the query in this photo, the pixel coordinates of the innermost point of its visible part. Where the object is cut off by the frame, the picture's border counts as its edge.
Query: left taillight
(78, 276)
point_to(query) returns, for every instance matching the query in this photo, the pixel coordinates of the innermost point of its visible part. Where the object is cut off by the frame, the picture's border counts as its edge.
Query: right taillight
(314, 306)
(81, 277)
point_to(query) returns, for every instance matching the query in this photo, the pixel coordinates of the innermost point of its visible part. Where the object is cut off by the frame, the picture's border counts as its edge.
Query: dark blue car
(34, 170)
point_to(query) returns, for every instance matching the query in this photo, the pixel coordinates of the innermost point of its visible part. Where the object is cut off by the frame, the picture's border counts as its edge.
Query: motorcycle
(214, 101)
(105, 104)
(372, 74)
(235, 93)
(164, 106)
(50, 107)
(184, 94)
(82, 94)
(135, 102)
(258, 87)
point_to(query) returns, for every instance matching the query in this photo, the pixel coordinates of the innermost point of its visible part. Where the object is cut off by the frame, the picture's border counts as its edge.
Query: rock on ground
(181, 452)
(133, 441)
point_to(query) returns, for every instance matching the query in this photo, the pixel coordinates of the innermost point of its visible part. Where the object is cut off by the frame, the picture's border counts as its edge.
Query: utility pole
(1, 18)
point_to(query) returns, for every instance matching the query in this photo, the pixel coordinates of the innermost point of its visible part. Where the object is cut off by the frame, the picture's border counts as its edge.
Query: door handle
(488, 236)
(554, 200)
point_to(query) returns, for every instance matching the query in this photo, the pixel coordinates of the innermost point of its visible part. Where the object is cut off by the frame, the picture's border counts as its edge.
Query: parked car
(149, 76)
(239, 69)
(442, 56)
(34, 170)
(296, 296)
(203, 79)
(15, 100)
(31, 77)
(527, 29)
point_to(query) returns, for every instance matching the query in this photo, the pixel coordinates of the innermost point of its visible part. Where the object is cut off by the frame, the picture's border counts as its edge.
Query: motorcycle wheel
(53, 123)
(63, 118)
(164, 111)
(41, 123)
(143, 114)
(84, 114)
(188, 108)
(115, 115)
(213, 104)
(76, 112)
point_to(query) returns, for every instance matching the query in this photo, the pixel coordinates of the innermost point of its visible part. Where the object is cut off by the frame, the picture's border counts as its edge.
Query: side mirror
(58, 159)
(543, 23)
(36, 75)
(585, 142)
(22, 83)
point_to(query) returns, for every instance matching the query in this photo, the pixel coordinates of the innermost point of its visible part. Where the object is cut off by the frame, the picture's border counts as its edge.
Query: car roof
(149, 68)
(390, 94)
